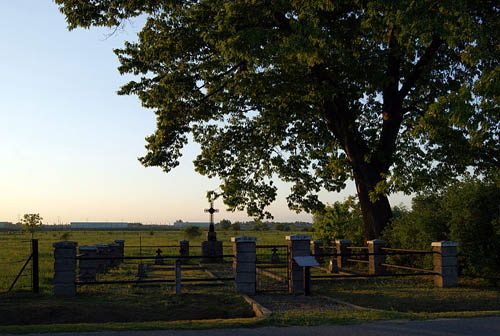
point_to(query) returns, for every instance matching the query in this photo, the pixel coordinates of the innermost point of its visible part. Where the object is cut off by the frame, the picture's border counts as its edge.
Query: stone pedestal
(298, 245)
(375, 261)
(87, 267)
(114, 253)
(244, 260)
(103, 252)
(121, 248)
(445, 263)
(65, 268)
(343, 252)
(184, 251)
(211, 251)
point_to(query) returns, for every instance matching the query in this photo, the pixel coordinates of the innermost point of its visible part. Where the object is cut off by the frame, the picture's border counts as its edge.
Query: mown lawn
(413, 294)
(129, 305)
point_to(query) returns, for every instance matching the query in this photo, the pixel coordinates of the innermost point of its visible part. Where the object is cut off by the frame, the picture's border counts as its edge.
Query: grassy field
(15, 248)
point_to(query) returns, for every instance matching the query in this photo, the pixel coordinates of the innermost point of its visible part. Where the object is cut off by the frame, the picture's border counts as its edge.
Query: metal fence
(272, 272)
(19, 267)
(147, 269)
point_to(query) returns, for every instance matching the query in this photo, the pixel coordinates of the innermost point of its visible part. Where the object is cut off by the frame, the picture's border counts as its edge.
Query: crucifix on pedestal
(211, 211)
(211, 249)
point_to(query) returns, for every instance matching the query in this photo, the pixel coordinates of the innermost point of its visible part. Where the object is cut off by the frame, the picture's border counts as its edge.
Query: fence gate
(272, 268)
(17, 274)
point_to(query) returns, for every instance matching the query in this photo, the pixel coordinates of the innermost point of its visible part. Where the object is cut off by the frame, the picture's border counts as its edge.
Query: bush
(192, 232)
(65, 236)
(342, 220)
(467, 212)
(225, 224)
(282, 227)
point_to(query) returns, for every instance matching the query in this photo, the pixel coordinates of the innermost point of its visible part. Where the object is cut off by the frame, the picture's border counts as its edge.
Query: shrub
(65, 236)
(341, 220)
(467, 212)
(192, 232)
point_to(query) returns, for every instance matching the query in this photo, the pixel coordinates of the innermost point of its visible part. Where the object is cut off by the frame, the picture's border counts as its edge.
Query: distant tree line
(258, 225)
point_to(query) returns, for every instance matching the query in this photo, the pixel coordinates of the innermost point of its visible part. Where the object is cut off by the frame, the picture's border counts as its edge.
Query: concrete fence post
(87, 268)
(114, 252)
(184, 251)
(178, 275)
(65, 268)
(375, 261)
(102, 252)
(121, 248)
(244, 261)
(343, 252)
(445, 263)
(298, 246)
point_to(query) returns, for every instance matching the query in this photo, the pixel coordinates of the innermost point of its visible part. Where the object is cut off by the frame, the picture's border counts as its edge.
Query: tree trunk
(376, 214)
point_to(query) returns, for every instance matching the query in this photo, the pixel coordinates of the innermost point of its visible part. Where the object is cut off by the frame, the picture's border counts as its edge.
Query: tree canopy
(396, 95)
(31, 223)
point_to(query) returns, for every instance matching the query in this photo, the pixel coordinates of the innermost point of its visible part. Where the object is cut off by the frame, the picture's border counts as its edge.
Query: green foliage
(341, 220)
(397, 95)
(474, 217)
(282, 227)
(192, 232)
(260, 226)
(65, 236)
(225, 224)
(31, 223)
(467, 212)
(236, 226)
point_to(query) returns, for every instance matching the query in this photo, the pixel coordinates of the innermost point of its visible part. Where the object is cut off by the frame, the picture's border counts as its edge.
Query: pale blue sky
(69, 144)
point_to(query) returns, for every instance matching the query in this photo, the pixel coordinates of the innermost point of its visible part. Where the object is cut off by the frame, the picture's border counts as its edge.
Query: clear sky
(69, 144)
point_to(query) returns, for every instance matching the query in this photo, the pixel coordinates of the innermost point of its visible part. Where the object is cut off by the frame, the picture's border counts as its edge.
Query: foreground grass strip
(154, 325)
(325, 317)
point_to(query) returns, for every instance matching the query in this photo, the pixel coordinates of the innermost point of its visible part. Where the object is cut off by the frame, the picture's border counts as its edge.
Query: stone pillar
(445, 263)
(184, 251)
(87, 268)
(121, 248)
(102, 252)
(374, 261)
(244, 264)
(317, 248)
(65, 268)
(114, 252)
(298, 245)
(343, 252)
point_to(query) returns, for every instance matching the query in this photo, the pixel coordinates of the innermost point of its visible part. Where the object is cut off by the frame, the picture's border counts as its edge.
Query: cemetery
(250, 277)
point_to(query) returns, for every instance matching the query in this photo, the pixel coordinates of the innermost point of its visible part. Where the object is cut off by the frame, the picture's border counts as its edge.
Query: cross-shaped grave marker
(211, 211)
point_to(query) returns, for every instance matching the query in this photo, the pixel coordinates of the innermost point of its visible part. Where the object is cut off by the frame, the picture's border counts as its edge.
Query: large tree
(392, 94)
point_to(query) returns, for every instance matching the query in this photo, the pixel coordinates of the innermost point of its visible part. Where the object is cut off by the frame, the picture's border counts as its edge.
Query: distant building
(98, 225)
(8, 226)
(179, 224)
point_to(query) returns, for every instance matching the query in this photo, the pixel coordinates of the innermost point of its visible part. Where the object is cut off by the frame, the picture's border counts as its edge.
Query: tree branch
(419, 66)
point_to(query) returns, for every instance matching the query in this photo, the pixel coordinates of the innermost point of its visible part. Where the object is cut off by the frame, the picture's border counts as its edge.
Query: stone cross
(211, 211)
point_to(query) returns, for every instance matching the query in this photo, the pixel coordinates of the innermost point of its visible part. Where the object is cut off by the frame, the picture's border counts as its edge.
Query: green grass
(131, 304)
(15, 248)
(413, 295)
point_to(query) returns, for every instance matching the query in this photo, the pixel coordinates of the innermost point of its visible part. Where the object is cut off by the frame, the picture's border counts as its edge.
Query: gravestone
(211, 249)
(158, 257)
